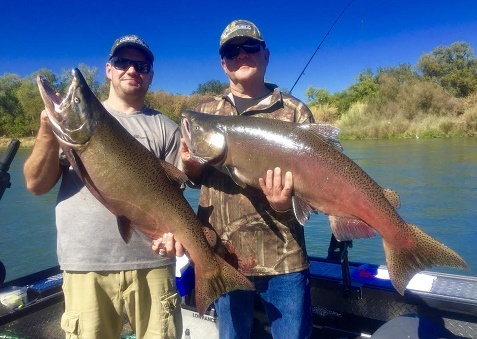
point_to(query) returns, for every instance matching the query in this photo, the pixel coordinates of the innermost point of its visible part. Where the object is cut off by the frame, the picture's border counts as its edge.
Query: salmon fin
(124, 224)
(403, 264)
(209, 286)
(125, 228)
(77, 165)
(173, 173)
(327, 132)
(302, 210)
(392, 197)
(346, 229)
(230, 171)
(81, 171)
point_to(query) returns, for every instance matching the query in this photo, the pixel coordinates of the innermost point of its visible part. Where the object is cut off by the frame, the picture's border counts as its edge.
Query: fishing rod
(324, 38)
(5, 163)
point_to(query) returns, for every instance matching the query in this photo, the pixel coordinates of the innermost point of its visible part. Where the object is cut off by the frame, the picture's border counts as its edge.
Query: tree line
(435, 98)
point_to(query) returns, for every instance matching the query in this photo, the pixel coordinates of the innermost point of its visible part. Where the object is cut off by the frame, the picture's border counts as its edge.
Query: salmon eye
(76, 100)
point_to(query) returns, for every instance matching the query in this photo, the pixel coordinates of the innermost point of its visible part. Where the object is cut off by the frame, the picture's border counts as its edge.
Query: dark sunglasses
(232, 51)
(124, 64)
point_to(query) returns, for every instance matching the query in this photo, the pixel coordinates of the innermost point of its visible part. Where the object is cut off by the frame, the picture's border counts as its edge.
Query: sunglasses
(143, 67)
(232, 51)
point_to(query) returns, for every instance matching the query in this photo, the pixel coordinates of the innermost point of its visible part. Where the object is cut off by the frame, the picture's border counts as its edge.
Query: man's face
(246, 66)
(128, 81)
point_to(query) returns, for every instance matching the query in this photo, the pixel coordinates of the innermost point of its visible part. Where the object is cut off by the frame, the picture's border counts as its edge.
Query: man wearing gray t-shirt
(102, 274)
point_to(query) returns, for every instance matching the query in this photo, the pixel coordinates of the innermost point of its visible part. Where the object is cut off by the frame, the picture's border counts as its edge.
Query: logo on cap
(132, 41)
(240, 28)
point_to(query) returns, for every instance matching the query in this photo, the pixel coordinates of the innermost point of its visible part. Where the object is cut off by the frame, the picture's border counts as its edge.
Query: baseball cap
(240, 28)
(131, 41)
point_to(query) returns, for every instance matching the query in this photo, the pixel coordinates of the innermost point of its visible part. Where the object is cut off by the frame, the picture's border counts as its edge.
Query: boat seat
(411, 326)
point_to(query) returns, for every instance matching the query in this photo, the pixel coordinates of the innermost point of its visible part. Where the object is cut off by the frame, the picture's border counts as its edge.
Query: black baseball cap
(132, 41)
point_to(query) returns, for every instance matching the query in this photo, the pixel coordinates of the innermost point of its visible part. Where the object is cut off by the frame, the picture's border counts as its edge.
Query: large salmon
(141, 190)
(325, 180)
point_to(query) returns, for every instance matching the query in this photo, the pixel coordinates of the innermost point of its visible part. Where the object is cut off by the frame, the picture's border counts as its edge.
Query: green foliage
(453, 67)
(89, 75)
(31, 105)
(438, 98)
(429, 101)
(317, 96)
(363, 89)
(9, 103)
(211, 87)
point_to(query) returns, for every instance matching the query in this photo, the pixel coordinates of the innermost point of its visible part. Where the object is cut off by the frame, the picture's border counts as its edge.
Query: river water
(436, 180)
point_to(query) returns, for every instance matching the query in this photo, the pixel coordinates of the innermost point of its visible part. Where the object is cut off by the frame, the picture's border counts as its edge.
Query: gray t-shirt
(88, 236)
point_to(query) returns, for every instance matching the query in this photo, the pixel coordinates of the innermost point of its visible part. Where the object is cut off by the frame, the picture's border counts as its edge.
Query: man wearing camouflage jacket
(257, 225)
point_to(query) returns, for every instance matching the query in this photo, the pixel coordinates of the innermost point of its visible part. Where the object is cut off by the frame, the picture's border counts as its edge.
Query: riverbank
(24, 142)
(28, 142)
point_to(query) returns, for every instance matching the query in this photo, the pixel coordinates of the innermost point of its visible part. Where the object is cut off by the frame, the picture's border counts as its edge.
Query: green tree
(31, 104)
(211, 87)
(89, 74)
(317, 96)
(453, 67)
(9, 104)
(362, 90)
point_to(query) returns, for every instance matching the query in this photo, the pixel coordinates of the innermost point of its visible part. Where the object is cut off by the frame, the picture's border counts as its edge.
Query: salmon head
(204, 137)
(71, 118)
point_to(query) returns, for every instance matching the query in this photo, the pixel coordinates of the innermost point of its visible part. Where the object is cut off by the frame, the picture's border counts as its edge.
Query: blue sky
(184, 35)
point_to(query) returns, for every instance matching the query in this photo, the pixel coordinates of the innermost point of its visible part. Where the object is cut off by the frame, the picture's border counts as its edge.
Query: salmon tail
(209, 287)
(404, 264)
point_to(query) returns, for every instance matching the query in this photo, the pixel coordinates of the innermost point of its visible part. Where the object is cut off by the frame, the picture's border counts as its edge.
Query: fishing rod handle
(8, 156)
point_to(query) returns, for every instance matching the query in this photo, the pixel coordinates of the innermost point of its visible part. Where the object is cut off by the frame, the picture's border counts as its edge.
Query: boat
(349, 300)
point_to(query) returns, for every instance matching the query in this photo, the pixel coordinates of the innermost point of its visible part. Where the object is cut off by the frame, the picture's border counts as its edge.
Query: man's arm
(42, 168)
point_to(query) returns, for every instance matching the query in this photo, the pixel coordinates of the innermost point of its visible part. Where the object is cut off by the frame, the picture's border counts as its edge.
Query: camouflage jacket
(264, 241)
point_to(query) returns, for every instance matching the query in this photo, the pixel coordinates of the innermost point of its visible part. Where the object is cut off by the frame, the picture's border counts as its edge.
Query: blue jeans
(286, 299)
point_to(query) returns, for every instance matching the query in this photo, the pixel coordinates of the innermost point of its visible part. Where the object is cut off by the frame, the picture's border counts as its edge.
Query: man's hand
(167, 246)
(278, 195)
(192, 169)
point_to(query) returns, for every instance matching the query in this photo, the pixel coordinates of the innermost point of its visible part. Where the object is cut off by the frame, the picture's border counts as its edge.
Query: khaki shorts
(94, 303)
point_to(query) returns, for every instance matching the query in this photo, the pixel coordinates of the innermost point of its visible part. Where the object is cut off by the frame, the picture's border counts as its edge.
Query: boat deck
(447, 300)
(359, 305)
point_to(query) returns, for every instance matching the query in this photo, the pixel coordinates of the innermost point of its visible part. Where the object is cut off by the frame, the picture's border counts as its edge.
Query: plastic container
(185, 277)
(13, 297)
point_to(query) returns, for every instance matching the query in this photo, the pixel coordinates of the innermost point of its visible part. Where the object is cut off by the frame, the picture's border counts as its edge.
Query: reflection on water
(436, 180)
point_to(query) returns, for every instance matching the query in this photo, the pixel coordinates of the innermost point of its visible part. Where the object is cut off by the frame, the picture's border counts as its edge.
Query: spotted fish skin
(325, 180)
(140, 189)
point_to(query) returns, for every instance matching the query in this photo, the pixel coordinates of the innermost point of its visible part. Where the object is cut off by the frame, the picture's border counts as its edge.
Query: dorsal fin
(392, 197)
(173, 173)
(327, 132)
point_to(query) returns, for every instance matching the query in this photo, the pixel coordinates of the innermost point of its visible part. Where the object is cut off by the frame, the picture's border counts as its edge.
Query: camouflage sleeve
(302, 112)
(208, 105)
